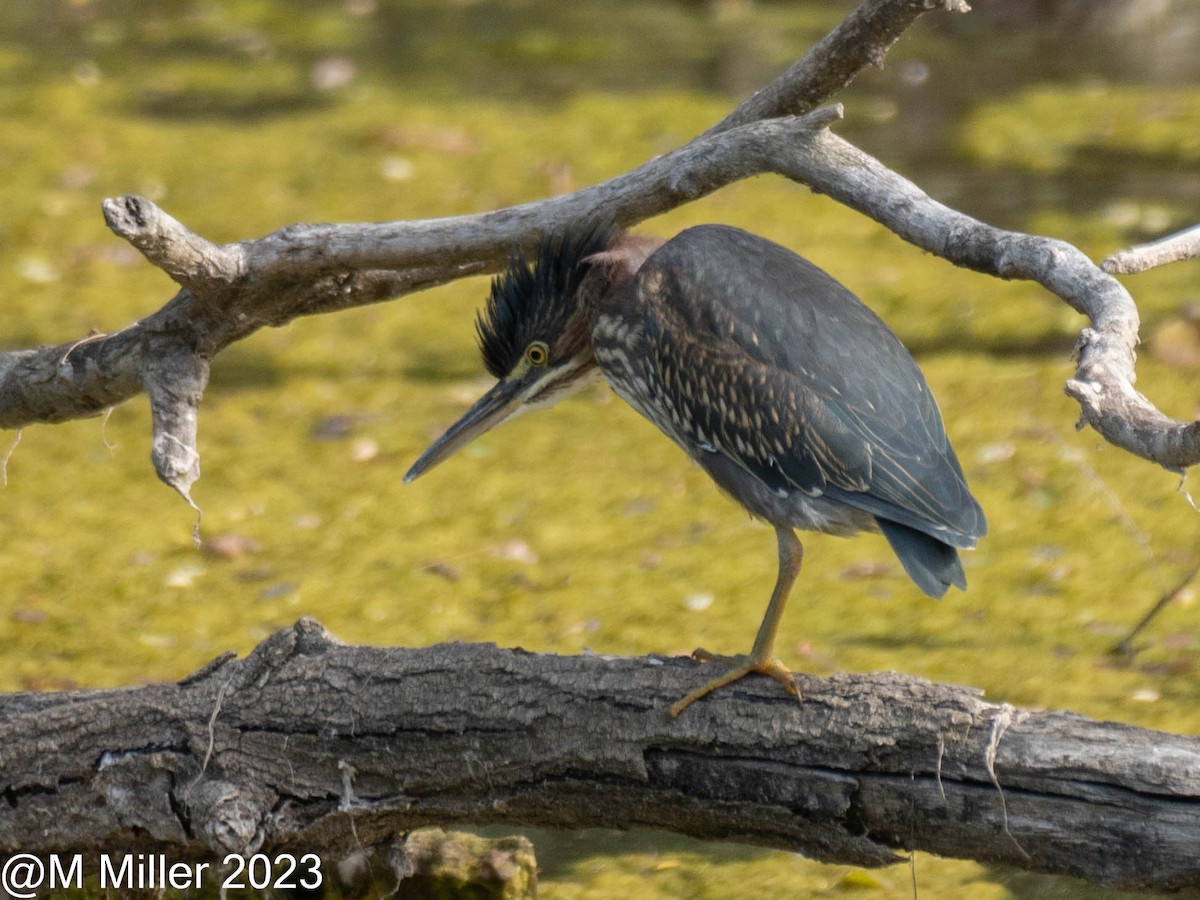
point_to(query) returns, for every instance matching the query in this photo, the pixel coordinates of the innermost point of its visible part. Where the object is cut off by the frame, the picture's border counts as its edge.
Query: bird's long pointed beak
(498, 404)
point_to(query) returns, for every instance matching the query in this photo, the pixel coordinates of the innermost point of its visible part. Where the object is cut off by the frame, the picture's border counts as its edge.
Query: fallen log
(310, 745)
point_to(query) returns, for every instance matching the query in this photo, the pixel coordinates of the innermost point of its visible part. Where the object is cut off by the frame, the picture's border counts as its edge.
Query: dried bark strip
(310, 744)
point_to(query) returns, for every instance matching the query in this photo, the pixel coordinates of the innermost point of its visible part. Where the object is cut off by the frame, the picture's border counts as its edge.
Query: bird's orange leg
(761, 658)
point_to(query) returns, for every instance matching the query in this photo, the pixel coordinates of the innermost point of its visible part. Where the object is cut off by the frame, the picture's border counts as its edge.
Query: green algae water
(241, 117)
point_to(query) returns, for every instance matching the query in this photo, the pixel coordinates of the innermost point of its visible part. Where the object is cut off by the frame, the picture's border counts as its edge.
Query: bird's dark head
(533, 335)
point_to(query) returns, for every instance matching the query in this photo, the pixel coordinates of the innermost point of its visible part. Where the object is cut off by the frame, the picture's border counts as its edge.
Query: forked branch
(230, 291)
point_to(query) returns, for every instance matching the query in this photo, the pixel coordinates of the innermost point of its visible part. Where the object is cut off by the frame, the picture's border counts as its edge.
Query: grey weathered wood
(311, 744)
(862, 39)
(1183, 244)
(230, 291)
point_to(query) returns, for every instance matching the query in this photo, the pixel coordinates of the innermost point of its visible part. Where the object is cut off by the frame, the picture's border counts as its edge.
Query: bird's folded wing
(878, 453)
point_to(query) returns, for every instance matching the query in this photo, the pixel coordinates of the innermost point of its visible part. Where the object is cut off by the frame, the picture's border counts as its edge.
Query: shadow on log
(308, 744)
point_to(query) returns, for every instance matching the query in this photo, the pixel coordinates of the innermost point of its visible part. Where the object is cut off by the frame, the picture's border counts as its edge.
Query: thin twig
(1172, 248)
(1124, 647)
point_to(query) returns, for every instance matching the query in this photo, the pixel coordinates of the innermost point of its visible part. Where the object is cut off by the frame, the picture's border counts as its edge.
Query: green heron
(794, 397)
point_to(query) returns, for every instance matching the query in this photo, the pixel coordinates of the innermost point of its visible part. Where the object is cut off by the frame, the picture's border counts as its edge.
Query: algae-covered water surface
(241, 117)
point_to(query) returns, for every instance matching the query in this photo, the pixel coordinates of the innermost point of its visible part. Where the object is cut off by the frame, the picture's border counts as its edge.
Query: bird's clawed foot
(740, 666)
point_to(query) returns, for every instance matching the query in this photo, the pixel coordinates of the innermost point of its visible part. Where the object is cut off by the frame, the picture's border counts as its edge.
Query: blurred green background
(583, 527)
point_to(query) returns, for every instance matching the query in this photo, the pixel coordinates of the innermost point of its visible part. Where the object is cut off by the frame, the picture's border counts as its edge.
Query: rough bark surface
(309, 744)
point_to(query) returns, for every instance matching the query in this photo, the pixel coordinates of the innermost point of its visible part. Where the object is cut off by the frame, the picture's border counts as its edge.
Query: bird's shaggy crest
(534, 301)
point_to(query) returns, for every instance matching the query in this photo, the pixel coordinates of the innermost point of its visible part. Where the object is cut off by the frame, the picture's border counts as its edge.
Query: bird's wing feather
(789, 374)
(764, 418)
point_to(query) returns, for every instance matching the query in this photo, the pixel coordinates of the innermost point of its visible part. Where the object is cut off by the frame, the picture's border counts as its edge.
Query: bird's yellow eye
(537, 353)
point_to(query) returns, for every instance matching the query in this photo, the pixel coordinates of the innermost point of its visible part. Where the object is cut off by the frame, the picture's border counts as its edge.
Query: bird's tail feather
(933, 565)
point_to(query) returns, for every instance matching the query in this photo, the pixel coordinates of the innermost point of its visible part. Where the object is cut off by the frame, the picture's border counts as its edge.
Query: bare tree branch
(1173, 248)
(862, 40)
(230, 291)
(1104, 377)
(236, 289)
(308, 744)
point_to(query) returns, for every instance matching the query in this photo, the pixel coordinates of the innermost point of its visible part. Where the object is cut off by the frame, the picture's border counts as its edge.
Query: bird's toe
(739, 667)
